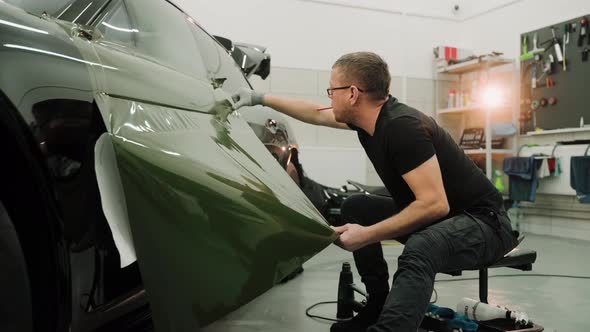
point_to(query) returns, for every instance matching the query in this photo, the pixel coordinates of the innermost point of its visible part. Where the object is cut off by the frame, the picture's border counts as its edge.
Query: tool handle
(558, 52)
(583, 32)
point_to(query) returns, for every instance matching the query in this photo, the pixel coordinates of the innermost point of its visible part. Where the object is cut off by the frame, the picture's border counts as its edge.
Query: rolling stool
(520, 259)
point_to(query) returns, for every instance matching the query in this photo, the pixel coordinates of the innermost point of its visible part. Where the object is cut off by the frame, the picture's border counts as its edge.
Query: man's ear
(354, 96)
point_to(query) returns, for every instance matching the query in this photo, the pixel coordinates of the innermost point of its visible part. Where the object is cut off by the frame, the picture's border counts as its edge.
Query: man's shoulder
(396, 110)
(399, 119)
(404, 116)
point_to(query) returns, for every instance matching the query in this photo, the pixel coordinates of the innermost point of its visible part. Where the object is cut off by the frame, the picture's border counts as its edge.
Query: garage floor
(559, 304)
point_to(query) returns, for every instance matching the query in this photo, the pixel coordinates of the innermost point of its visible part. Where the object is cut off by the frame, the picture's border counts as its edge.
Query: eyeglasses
(330, 91)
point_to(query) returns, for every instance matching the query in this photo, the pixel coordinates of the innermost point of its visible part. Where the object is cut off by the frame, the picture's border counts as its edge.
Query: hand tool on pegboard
(529, 54)
(556, 46)
(547, 69)
(583, 32)
(566, 39)
(549, 83)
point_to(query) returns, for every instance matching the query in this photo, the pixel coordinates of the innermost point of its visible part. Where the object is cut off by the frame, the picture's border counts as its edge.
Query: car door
(215, 220)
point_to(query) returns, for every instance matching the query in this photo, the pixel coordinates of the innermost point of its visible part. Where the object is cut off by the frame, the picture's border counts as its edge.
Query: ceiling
(439, 9)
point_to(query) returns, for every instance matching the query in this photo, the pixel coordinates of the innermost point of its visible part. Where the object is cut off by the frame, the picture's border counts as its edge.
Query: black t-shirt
(404, 138)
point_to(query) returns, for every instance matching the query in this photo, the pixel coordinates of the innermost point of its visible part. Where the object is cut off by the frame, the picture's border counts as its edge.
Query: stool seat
(520, 259)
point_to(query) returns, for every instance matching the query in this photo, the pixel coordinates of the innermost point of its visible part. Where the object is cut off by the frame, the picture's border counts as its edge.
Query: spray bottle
(480, 311)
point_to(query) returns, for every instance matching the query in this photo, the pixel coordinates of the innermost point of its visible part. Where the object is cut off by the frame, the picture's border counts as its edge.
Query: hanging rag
(557, 167)
(580, 176)
(544, 169)
(551, 164)
(522, 177)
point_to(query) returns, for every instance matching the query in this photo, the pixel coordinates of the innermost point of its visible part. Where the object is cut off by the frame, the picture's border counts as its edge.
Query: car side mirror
(226, 43)
(252, 59)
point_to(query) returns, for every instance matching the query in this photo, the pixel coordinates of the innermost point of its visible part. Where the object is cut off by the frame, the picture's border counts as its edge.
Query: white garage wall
(313, 35)
(500, 30)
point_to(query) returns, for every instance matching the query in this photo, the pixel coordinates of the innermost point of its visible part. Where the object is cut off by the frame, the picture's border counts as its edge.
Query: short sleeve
(409, 143)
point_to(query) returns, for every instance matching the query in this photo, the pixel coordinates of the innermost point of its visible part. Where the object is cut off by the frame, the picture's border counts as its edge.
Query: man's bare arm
(431, 203)
(299, 109)
(303, 110)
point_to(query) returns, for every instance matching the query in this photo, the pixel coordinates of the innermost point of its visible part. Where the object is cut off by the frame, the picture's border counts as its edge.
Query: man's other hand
(247, 97)
(352, 236)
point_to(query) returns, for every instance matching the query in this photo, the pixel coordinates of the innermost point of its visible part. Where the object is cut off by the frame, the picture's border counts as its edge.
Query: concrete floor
(558, 304)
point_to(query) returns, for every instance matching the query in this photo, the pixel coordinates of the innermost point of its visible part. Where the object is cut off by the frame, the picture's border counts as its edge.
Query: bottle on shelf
(498, 181)
(451, 99)
(474, 91)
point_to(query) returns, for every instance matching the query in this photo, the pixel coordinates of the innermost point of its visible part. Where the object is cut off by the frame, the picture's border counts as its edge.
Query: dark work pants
(465, 241)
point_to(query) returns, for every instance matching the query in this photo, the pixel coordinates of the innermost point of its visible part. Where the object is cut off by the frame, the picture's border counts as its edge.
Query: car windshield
(37, 7)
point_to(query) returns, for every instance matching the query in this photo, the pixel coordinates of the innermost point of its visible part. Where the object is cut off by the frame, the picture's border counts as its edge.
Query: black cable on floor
(448, 280)
(435, 295)
(321, 317)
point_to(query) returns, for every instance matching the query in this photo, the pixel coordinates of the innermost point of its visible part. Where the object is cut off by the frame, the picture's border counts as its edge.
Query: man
(446, 212)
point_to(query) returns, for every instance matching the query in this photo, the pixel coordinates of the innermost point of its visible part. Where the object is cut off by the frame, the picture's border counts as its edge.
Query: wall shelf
(557, 131)
(471, 108)
(474, 65)
(493, 151)
(458, 110)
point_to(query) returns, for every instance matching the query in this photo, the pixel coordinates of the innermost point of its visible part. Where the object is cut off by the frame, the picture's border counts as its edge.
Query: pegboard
(571, 88)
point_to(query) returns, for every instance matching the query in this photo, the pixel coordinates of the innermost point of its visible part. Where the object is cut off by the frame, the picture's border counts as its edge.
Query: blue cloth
(440, 311)
(522, 173)
(580, 177)
(522, 167)
(453, 319)
(503, 129)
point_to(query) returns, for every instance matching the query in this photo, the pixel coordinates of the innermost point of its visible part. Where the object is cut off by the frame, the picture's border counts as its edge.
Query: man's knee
(366, 210)
(352, 209)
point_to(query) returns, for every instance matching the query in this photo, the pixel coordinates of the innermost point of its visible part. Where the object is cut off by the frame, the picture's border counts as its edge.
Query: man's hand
(247, 97)
(352, 236)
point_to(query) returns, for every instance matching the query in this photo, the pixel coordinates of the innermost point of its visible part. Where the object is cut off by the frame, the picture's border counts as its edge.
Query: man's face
(339, 97)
